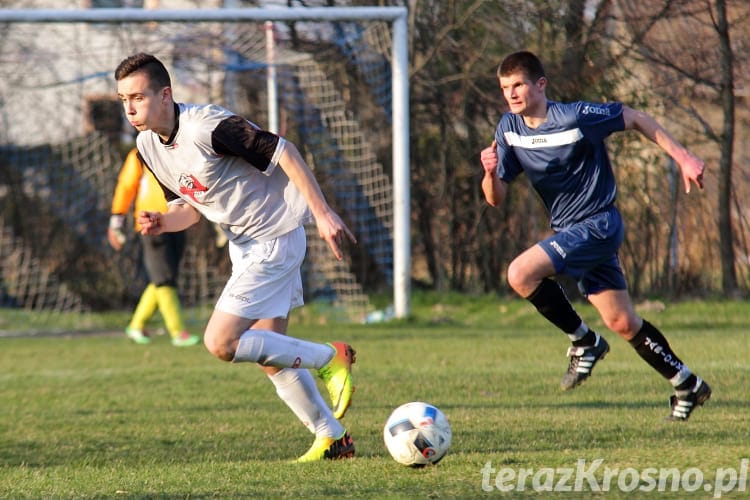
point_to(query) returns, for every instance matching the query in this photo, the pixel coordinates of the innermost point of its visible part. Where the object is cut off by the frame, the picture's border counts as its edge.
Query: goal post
(396, 16)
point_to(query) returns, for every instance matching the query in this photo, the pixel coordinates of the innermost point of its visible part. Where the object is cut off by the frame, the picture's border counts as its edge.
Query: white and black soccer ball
(417, 434)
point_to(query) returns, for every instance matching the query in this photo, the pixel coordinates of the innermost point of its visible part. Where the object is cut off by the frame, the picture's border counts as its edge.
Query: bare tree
(726, 142)
(687, 45)
(652, 55)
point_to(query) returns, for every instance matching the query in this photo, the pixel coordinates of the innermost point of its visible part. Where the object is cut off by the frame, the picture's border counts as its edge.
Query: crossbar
(110, 15)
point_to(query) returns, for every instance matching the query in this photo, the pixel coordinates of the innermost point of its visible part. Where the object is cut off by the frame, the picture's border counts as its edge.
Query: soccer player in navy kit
(560, 147)
(255, 185)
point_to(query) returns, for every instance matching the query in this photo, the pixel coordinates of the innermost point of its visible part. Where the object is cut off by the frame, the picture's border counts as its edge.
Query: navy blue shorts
(587, 252)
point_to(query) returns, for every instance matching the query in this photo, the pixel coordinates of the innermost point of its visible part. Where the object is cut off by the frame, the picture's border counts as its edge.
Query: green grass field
(86, 416)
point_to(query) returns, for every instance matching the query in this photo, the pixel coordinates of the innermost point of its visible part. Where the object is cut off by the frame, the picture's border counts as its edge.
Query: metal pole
(271, 81)
(401, 181)
(110, 15)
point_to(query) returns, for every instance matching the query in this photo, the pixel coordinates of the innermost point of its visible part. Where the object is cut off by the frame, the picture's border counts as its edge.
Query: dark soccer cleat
(582, 361)
(684, 404)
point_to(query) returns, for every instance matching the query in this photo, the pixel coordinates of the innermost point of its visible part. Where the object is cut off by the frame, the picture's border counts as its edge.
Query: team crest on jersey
(192, 188)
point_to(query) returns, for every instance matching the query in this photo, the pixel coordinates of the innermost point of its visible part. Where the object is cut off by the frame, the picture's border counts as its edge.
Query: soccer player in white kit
(560, 147)
(255, 185)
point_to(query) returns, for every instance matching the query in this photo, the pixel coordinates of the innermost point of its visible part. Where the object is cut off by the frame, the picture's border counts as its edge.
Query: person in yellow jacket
(161, 253)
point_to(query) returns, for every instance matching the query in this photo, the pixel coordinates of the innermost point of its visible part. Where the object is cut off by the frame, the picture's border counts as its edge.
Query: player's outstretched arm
(691, 166)
(330, 226)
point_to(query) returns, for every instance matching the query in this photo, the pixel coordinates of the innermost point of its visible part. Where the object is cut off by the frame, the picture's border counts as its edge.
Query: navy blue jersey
(564, 158)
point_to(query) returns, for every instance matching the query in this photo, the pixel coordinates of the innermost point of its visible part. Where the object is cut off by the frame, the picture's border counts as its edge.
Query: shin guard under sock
(275, 349)
(550, 300)
(145, 309)
(170, 309)
(297, 388)
(652, 346)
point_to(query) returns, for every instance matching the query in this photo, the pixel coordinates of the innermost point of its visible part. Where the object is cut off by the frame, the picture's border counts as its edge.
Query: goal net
(63, 139)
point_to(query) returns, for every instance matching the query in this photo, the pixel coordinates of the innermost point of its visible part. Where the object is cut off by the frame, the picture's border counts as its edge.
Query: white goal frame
(397, 16)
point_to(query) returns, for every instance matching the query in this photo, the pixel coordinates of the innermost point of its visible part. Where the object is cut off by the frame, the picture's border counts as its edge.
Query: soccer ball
(417, 434)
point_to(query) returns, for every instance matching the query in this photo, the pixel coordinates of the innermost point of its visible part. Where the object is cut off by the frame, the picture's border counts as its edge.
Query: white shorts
(266, 281)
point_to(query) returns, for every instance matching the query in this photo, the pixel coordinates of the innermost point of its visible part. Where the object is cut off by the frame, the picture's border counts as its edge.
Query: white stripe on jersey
(544, 140)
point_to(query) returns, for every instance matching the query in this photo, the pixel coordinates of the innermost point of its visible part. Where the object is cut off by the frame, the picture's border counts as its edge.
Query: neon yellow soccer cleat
(337, 376)
(327, 448)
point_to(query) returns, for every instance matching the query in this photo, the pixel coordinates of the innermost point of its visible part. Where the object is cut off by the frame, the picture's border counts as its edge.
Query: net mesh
(63, 140)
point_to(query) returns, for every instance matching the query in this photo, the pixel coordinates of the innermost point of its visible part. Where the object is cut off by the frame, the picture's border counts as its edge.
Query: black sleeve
(168, 195)
(237, 137)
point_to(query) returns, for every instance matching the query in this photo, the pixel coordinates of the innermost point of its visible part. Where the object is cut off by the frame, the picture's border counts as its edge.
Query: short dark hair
(158, 75)
(525, 62)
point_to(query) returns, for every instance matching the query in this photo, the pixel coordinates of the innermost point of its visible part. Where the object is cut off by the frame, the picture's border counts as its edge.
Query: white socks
(681, 377)
(298, 390)
(582, 330)
(294, 383)
(275, 349)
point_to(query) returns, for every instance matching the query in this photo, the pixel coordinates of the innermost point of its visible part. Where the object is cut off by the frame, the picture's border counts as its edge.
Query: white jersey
(227, 169)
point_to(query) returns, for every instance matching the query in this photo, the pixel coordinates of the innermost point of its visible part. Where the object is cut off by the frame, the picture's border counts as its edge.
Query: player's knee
(517, 279)
(622, 324)
(218, 347)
